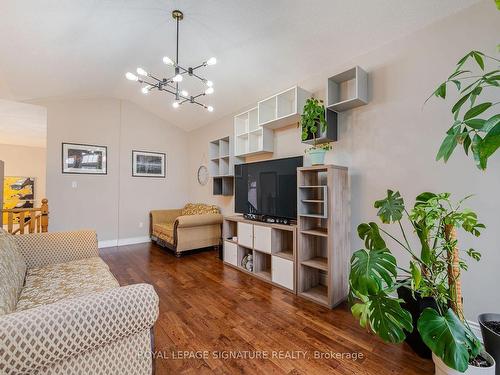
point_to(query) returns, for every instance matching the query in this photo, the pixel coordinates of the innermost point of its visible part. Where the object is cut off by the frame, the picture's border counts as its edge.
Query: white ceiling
(22, 124)
(55, 48)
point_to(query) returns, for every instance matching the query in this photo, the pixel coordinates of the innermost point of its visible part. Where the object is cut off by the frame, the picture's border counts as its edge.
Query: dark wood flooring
(211, 311)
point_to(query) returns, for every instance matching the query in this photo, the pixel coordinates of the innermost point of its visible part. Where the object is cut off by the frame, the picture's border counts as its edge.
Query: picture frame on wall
(84, 159)
(149, 164)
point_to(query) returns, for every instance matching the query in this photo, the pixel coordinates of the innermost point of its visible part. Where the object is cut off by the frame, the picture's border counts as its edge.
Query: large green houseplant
(433, 271)
(476, 124)
(313, 123)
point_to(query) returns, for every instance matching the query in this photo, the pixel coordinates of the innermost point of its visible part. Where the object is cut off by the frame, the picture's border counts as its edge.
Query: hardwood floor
(211, 311)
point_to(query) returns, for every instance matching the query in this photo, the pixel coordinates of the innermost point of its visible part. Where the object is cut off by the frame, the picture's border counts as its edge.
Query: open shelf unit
(323, 234)
(282, 109)
(251, 139)
(273, 248)
(347, 90)
(221, 165)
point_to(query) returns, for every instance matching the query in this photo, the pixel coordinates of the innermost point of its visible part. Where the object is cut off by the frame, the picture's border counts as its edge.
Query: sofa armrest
(198, 220)
(164, 216)
(41, 249)
(35, 338)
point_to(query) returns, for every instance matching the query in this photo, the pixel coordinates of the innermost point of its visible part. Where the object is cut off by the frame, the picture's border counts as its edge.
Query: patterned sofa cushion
(164, 231)
(199, 209)
(12, 273)
(55, 282)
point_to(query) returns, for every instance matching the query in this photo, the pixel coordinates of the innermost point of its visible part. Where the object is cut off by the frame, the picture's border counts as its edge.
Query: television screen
(267, 187)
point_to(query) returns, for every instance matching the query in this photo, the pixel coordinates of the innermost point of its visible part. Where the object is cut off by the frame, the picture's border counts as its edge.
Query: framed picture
(18, 192)
(148, 164)
(84, 159)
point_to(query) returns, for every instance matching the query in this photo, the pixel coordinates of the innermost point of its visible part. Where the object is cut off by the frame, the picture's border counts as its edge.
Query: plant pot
(491, 338)
(415, 306)
(443, 369)
(317, 156)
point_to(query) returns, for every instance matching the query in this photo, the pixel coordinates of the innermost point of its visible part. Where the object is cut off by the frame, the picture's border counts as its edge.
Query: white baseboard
(123, 241)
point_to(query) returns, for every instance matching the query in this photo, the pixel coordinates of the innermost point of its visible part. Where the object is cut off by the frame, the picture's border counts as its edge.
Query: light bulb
(142, 72)
(175, 104)
(177, 78)
(167, 60)
(209, 83)
(209, 91)
(145, 90)
(212, 61)
(131, 76)
(184, 93)
(210, 108)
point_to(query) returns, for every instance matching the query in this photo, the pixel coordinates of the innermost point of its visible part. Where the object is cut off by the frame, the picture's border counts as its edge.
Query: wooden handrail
(35, 219)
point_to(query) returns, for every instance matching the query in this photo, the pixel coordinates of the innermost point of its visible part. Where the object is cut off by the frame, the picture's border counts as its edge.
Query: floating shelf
(347, 90)
(251, 139)
(282, 109)
(331, 133)
(221, 165)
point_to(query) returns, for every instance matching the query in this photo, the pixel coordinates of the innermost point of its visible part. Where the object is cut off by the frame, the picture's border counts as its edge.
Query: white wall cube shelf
(347, 90)
(250, 138)
(221, 165)
(282, 109)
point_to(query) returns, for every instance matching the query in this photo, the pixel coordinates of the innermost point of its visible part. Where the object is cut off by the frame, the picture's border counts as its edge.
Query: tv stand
(267, 219)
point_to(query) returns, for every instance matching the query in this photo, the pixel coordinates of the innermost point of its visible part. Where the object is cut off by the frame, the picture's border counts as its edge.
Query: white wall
(392, 142)
(27, 162)
(114, 204)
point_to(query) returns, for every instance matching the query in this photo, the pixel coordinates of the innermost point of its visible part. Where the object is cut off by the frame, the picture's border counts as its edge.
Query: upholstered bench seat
(165, 231)
(54, 282)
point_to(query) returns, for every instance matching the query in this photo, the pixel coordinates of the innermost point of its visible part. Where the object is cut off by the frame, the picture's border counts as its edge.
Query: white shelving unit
(250, 138)
(221, 165)
(347, 90)
(282, 109)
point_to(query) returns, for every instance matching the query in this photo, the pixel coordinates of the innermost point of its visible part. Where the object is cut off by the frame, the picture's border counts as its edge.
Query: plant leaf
(490, 143)
(447, 147)
(441, 91)
(371, 235)
(390, 208)
(457, 83)
(388, 319)
(466, 144)
(491, 123)
(475, 123)
(459, 103)
(361, 311)
(448, 338)
(369, 268)
(416, 274)
(479, 59)
(476, 152)
(477, 110)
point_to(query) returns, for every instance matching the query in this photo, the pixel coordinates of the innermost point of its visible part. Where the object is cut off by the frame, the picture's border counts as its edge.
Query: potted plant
(433, 272)
(490, 328)
(313, 124)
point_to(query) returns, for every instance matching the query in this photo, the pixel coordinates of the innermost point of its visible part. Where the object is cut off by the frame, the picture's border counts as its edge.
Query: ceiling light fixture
(171, 85)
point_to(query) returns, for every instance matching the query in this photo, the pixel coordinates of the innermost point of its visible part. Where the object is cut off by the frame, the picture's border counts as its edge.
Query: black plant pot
(491, 339)
(415, 306)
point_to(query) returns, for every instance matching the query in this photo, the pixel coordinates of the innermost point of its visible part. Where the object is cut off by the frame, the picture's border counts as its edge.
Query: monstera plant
(476, 125)
(433, 271)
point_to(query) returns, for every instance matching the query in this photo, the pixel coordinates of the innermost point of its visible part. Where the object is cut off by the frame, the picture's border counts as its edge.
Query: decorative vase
(416, 306)
(443, 369)
(491, 338)
(317, 156)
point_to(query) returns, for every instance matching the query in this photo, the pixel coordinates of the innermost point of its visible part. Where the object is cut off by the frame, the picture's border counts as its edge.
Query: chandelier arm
(200, 66)
(164, 89)
(200, 78)
(197, 96)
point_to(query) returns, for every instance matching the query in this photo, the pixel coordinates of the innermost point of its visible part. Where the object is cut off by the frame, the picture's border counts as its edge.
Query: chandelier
(172, 84)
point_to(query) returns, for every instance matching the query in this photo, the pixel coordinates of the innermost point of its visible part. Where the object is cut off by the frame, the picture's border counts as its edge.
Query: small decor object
(202, 175)
(247, 262)
(477, 128)
(84, 159)
(313, 122)
(148, 164)
(172, 85)
(433, 272)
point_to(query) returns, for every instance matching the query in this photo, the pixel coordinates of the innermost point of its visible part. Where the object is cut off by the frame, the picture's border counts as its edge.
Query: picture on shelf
(148, 164)
(84, 159)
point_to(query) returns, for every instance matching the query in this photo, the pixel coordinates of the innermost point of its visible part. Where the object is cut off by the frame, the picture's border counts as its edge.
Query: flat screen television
(267, 187)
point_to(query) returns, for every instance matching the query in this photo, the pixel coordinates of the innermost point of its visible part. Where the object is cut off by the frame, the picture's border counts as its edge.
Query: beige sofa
(63, 312)
(195, 226)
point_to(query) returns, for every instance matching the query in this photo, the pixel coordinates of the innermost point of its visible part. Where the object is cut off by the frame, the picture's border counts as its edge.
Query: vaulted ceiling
(75, 48)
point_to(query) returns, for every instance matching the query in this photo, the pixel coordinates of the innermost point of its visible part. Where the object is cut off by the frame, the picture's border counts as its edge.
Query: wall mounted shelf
(221, 165)
(282, 109)
(347, 90)
(250, 138)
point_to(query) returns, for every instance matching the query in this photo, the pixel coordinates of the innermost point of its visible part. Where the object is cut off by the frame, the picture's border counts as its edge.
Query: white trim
(123, 241)
(476, 329)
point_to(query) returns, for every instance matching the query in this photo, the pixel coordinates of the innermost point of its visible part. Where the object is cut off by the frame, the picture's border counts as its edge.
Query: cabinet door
(245, 235)
(282, 272)
(262, 238)
(231, 253)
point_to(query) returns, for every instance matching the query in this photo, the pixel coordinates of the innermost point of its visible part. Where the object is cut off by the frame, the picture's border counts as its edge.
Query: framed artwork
(148, 164)
(18, 192)
(84, 159)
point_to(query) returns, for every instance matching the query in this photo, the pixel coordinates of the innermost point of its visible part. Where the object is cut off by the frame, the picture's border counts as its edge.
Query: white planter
(443, 369)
